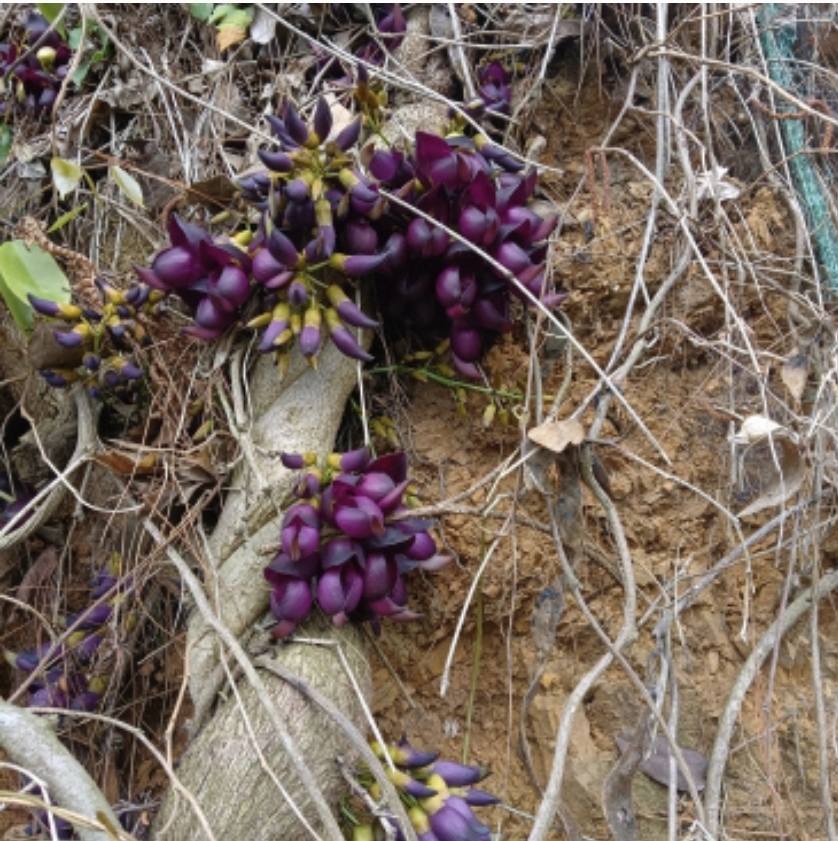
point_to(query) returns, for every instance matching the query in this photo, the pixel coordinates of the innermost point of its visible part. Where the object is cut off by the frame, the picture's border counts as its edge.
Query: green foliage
(66, 218)
(102, 51)
(25, 271)
(201, 11)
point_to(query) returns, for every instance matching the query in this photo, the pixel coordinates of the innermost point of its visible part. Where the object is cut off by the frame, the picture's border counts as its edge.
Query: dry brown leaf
(128, 465)
(229, 36)
(557, 435)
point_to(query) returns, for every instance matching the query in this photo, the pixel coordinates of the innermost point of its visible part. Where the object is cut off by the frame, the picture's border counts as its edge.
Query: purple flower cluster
(211, 277)
(64, 681)
(99, 343)
(348, 542)
(32, 79)
(474, 188)
(324, 220)
(438, 794)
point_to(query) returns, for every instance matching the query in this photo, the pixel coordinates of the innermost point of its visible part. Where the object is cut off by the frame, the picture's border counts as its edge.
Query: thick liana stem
(29, 741)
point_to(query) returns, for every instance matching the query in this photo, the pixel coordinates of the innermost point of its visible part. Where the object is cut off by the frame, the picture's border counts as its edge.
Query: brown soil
(669, 528)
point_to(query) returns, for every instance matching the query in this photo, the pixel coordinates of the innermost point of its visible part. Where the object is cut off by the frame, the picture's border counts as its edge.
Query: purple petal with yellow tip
(322, 119)
(309, 341)
(88, 646)
(449, 825)
(346, 343)
(93, 617)
(348, 136)
(475, 797)
(416, 789)
(456, 774)
(293, 461)
(130, 371)
(68, 338)
(44, 307)
(408, 757)
(354, 460)
(294, 124)
(297, 190)
(276, 161)
(282, 249)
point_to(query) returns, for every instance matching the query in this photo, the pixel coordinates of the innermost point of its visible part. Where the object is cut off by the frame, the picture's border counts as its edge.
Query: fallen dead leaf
(557, 435)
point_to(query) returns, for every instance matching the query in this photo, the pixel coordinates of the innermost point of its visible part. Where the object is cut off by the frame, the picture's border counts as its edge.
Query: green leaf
(128, 185)
(29, 270)
(65, 175)
(101, 54)
(74, 38)
(51, 11)
(62, 220)
(200, 11)
(6, 138)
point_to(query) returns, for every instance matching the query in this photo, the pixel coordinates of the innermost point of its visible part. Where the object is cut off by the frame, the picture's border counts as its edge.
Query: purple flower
(358, 516)
(474, 797)
(457, 775)
(494, 87)
(300, 535)
(352, 461)
(380, 575)
(466, 341)
(339, 591)
(348, 136)
(426, 239)
(344, 341)
(291, 600)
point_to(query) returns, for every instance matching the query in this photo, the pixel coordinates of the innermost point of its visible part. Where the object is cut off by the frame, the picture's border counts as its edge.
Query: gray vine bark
(235, 765)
